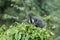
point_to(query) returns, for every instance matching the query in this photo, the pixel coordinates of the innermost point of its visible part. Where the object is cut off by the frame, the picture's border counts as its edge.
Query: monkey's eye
(35, 20)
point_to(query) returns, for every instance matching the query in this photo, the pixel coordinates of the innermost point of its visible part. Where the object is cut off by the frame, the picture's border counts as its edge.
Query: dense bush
(25, 32)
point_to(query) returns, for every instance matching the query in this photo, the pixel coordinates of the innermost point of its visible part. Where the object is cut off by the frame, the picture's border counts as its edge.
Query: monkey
(38, 22)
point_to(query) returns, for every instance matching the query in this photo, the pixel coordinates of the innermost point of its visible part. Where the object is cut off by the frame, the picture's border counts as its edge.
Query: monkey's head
(38, 22)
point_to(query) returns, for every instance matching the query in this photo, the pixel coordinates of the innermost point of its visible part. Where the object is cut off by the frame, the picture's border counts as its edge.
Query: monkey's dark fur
(35, 21)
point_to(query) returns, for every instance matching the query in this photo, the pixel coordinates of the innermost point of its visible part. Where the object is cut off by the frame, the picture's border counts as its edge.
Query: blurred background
(13, 12)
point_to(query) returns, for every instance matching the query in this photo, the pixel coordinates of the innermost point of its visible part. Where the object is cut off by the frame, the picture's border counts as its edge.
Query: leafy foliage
(25, 32)
(13, 12)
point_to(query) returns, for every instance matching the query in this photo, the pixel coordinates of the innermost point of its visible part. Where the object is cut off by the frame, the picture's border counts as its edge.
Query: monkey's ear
(29, 21)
